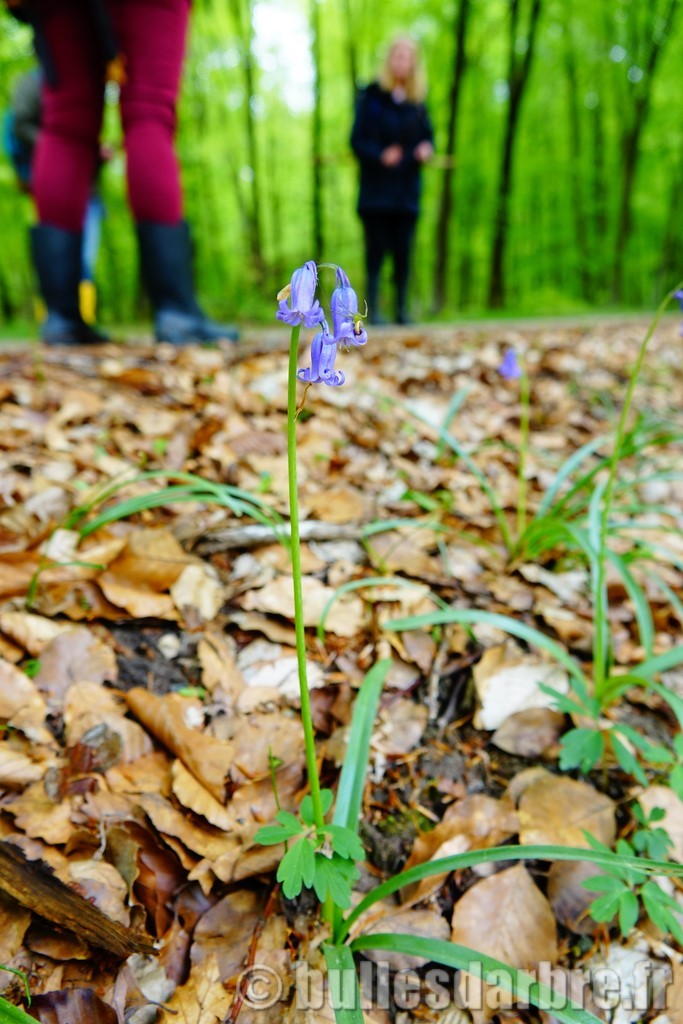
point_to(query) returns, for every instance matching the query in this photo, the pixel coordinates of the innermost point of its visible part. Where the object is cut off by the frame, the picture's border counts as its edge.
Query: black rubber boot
(57, 259)
(166, 265)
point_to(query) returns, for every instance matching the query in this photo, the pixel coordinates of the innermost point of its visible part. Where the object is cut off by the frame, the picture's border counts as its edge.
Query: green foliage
(10, 1014)
(624, 887)
(323, 859)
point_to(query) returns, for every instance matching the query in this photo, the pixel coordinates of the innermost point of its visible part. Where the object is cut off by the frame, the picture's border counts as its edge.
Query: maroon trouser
(151, 35)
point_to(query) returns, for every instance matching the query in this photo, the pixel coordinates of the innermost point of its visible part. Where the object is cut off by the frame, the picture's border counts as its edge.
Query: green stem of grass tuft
(600, 645)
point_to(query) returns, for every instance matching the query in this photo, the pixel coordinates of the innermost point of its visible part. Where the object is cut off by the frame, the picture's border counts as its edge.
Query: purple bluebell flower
(679, 297)
(347, 323)
(303, 307)
(510, 368)
(323, 355)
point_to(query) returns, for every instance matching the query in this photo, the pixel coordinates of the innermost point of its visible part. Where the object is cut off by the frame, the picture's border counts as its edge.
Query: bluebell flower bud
(323, 355)
(347, 323)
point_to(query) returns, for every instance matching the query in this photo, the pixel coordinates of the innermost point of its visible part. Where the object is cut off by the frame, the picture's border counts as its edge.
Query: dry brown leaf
(529, 733)
(40, 817)
(138, 601)
(198, 594)
(345, 618)
(207, 758)
(169, 821)
(72, 1006)
(557, 810)
(507, 917)
(17, 769)
(225, 931)
(33, 632)
(100, 883)
(254, 740)
(193, 795)
(201, 1000)
(474, 823)
(14, 920)
(568, 898)
(74, 657)
(16, 691)
(337, 505)
(47, 942)
(88, 705)
(148, 774)
(152, 560)
(220, 674)
(402, 724)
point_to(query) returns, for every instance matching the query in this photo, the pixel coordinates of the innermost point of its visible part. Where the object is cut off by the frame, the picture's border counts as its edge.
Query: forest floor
(147, 666)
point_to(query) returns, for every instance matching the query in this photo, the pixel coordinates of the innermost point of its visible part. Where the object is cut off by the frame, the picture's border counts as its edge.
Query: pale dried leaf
(529, 733)
(507, 682)
(507, 917)
(197, 798)
(201, 1000)
(345, 618)
(208, 759)
(33, 632)
(198, 593)
(557, 810)
(74, 657)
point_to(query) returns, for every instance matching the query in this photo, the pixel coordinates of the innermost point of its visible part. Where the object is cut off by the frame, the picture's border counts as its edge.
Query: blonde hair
(416, 86)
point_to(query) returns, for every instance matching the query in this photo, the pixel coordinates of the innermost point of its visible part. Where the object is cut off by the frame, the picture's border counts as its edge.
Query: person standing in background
(392, 137)
(21, 130)
(141, 45)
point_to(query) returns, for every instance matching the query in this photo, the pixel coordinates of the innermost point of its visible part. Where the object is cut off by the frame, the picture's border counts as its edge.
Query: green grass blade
(518, 983)
(373, 581)
(386, 525)
(670, 594)
(641, 605)
(472, 616)
(661, 662)
(567, 468)
(10, 1014)
(349, 800)
(459, 861)
(454, 407)
(343, 986)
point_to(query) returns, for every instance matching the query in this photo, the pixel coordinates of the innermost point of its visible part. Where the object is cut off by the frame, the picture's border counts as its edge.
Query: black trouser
(388, 233)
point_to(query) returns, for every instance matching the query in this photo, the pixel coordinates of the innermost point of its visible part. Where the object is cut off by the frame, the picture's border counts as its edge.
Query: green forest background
(557, 181)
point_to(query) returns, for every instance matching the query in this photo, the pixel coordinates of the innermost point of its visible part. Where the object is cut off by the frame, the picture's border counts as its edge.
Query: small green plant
(624, 888)
(10, 1014)
(321, 855)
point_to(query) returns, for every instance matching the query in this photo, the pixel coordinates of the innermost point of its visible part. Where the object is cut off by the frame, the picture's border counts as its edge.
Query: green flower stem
(295, 551)
(525, 402)
(600, 646)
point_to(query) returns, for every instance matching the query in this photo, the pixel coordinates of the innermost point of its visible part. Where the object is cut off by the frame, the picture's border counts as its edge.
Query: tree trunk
(630, 148)
(243, 20)
(317, 137)
(443, 224)
(580, 229)
(518, 76)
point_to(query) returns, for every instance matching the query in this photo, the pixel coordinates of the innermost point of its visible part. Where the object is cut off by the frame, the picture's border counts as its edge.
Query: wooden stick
(31, 885)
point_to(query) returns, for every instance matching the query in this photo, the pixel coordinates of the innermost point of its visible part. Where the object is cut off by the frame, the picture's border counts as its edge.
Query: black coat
(381, 122)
